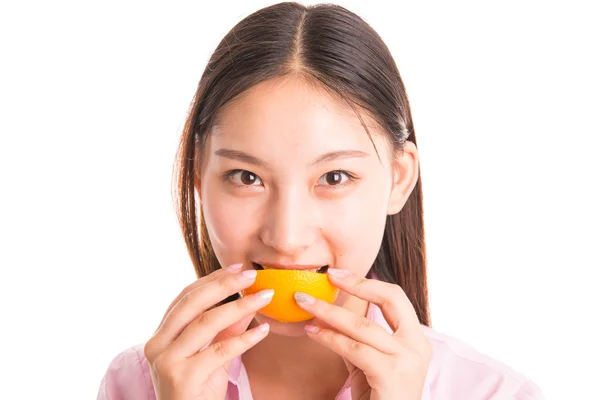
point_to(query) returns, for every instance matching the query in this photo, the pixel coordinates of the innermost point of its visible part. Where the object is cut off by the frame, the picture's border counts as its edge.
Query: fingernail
(265, 294)
(235, 267)
(249, 274)
(339, 273)
(260, 331)
(304, 298)
(312, 328)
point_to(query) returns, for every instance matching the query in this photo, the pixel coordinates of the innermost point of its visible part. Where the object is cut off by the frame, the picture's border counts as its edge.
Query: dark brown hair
(326, 45)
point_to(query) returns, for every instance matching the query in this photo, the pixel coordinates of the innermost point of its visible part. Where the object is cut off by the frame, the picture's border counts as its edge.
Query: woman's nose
(290, 223)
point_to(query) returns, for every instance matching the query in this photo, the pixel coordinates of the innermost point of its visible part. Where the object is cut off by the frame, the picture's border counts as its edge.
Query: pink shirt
(456, 372)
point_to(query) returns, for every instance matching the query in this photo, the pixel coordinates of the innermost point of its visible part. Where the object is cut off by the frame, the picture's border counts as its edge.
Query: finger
(363, 356)
(348, 323)
(234, 268)
(395, 306)
(223, 352)
(237, 328)
(204, 328)
(197, 301)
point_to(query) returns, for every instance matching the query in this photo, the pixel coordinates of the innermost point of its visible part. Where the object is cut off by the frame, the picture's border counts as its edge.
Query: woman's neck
(281, 364)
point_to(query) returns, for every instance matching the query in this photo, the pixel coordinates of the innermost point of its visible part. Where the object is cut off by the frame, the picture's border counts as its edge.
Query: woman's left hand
(381, 365)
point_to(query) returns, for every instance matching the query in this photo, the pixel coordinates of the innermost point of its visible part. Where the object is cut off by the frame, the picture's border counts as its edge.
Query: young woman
(299, 152)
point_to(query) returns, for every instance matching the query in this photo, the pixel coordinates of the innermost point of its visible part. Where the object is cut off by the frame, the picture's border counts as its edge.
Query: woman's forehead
(292, 113)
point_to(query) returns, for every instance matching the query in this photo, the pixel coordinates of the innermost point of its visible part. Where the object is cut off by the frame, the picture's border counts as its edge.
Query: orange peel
(285, 282)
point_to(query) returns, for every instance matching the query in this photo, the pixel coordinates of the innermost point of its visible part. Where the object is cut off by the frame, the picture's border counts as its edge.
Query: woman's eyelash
(350, 176)
(228, 176)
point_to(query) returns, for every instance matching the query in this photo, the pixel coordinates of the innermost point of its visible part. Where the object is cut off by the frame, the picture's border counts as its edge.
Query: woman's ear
(405, 166)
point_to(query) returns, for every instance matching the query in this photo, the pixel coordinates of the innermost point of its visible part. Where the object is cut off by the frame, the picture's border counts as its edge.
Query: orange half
(286, 282)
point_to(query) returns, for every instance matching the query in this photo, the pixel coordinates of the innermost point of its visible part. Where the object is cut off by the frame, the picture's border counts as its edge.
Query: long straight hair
(332, 47)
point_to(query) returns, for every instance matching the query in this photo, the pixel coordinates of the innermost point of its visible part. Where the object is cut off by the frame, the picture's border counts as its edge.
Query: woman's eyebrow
(327, 157)
(339, 155)
(241, 156)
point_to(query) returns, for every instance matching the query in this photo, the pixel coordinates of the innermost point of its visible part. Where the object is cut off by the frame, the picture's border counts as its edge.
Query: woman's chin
(292, 329)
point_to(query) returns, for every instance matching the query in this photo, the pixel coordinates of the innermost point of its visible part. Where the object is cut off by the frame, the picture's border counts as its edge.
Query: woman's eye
(246, 178)
(335, 178)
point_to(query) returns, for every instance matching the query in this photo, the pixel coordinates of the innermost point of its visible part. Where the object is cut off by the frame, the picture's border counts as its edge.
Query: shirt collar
(234, 370)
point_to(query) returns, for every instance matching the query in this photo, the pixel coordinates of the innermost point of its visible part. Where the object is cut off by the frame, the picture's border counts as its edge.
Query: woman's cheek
(230, 222)
(355, 231)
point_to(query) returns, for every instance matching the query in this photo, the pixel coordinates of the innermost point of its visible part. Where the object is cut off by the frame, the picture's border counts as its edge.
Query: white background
(93, 96)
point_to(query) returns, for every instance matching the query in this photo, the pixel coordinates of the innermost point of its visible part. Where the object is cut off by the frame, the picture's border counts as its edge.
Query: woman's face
(290, 179)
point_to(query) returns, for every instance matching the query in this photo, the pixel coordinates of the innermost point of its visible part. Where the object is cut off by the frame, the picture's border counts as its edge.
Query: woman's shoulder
(457, 370)
(127, 377)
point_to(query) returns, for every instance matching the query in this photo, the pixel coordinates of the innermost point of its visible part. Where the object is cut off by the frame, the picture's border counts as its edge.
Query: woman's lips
(311, 268)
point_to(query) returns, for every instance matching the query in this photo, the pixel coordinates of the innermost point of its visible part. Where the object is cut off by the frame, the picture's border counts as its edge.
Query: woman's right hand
(190, 352)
